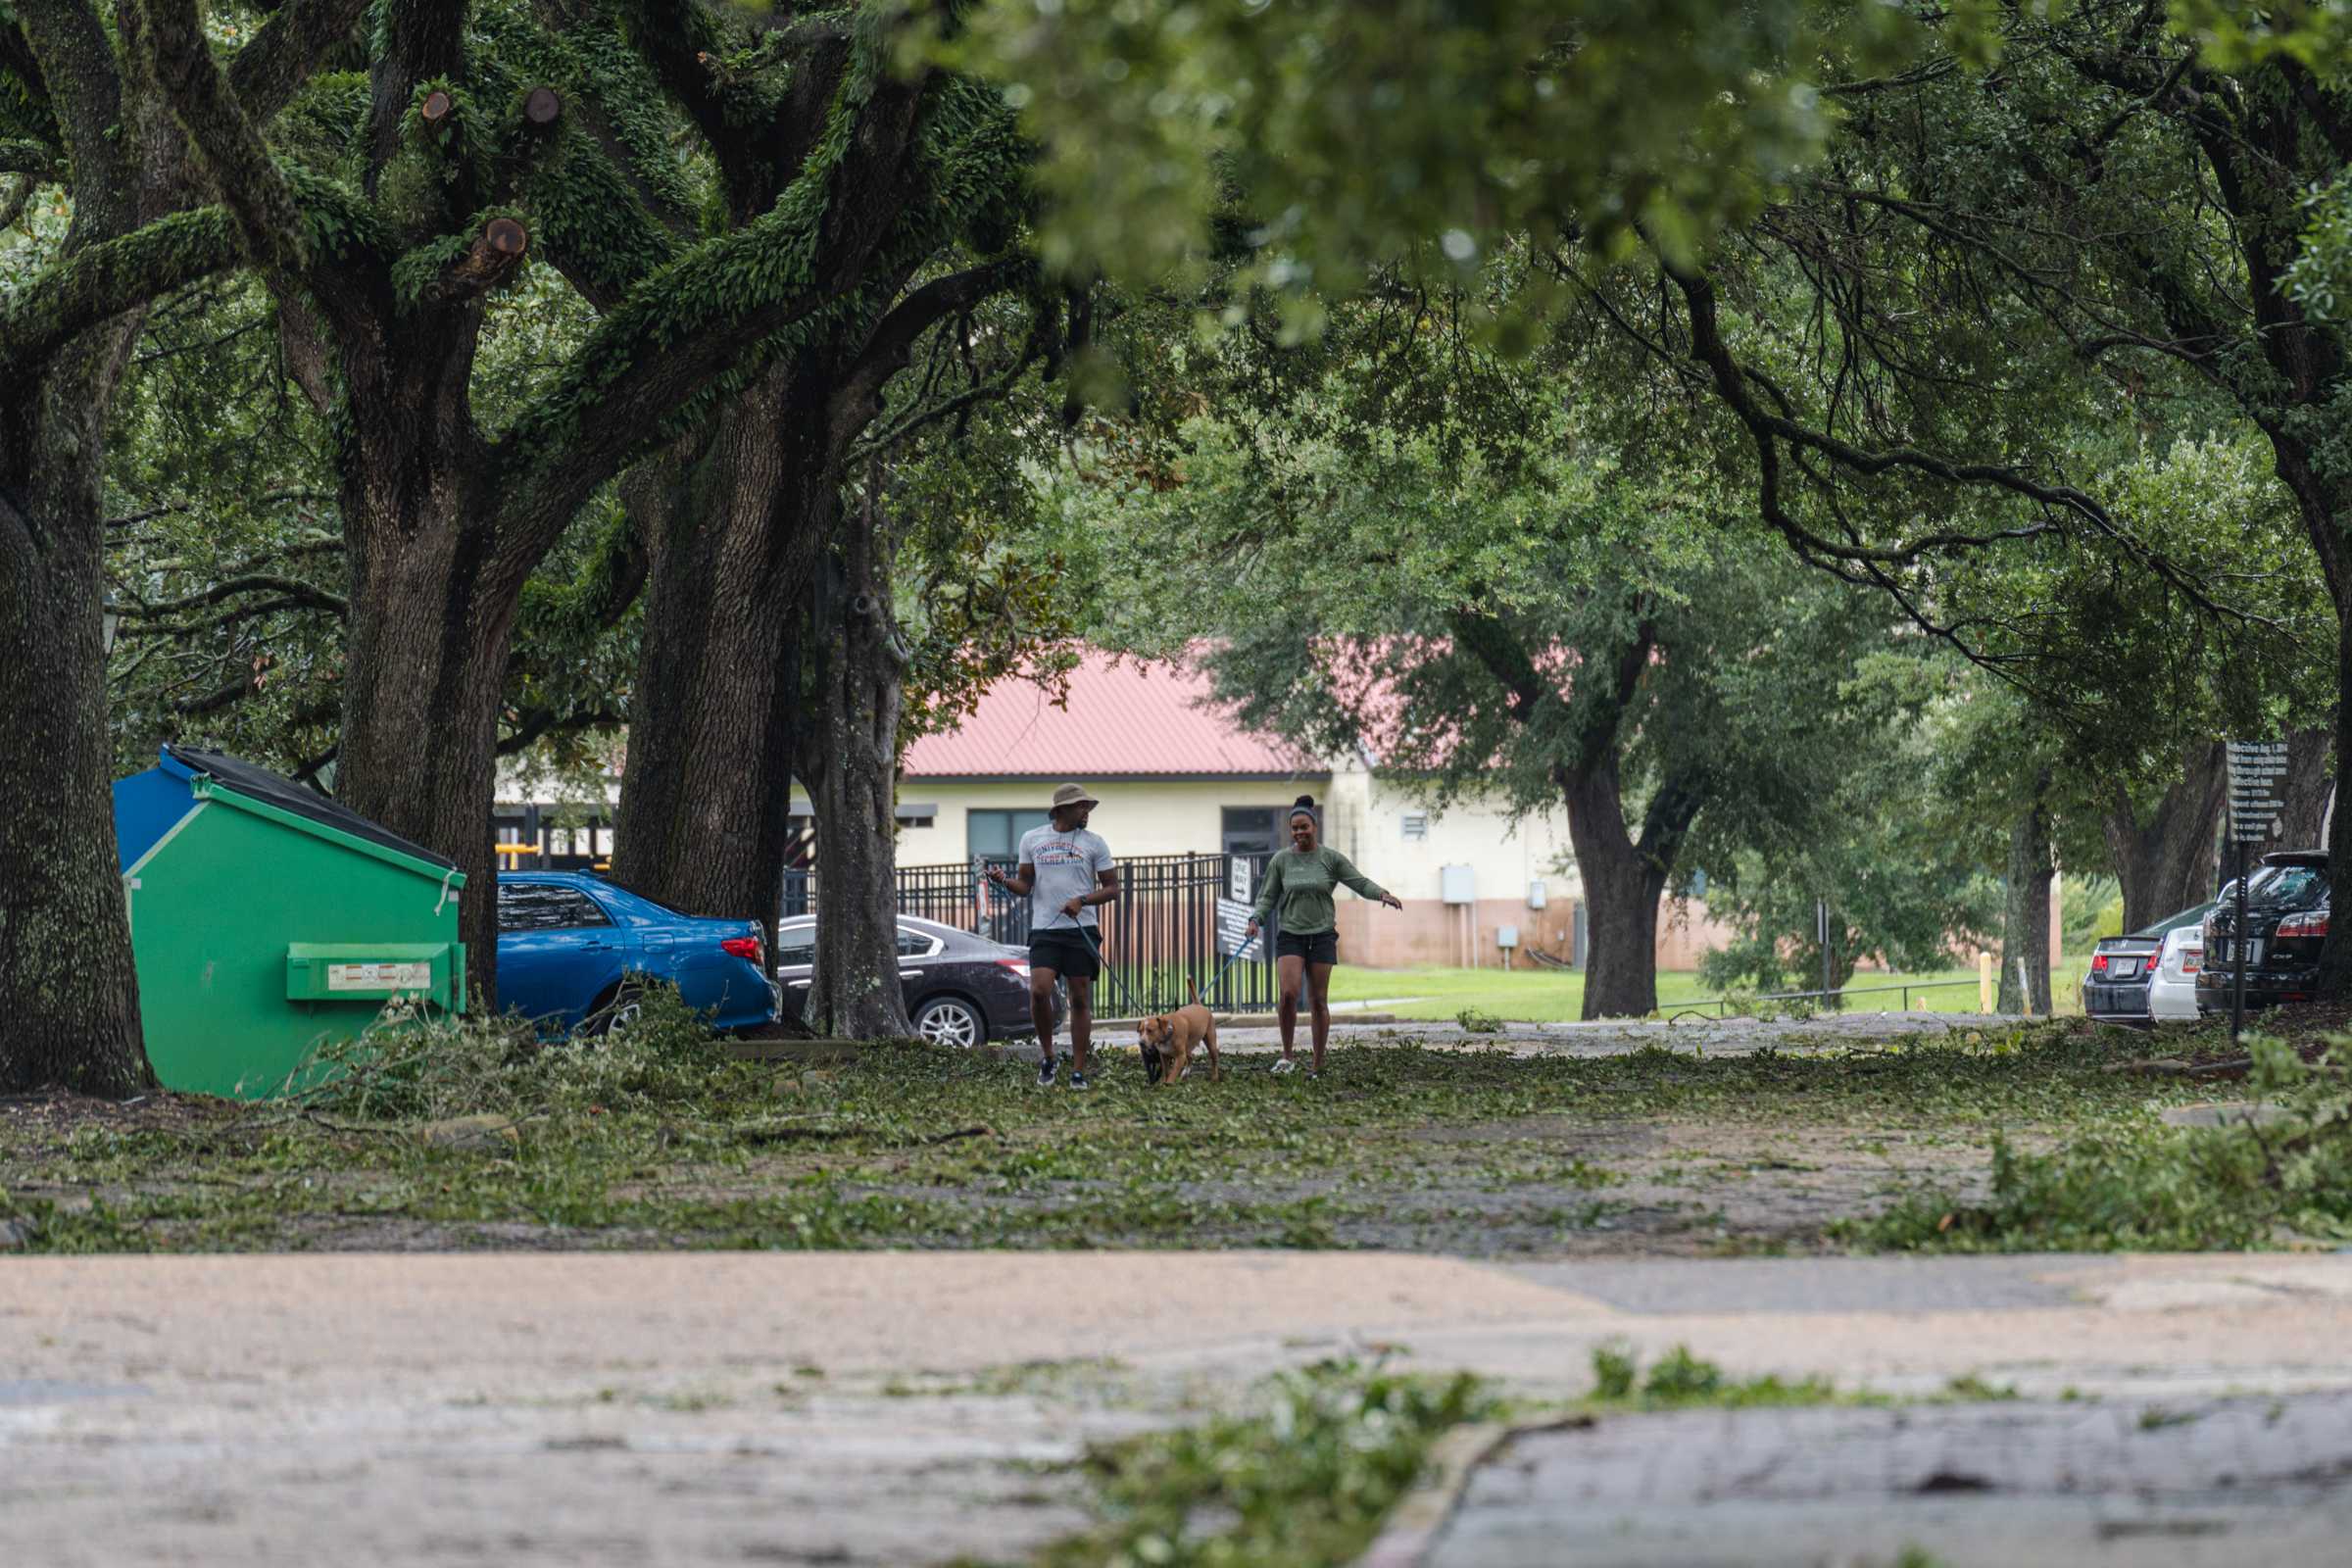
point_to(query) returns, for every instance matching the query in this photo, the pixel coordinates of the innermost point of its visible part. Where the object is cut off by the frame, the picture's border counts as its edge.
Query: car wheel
(950, 1021)
(614, 1012)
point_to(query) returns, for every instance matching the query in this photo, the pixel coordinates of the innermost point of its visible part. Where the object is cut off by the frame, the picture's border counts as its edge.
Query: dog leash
(1126, 996)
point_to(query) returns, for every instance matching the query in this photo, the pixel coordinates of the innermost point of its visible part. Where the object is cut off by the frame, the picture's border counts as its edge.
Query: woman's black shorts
(1321, 947)
(1064, 951)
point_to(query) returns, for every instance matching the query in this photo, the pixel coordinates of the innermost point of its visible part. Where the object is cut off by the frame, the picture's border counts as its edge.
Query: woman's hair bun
(1307, 801)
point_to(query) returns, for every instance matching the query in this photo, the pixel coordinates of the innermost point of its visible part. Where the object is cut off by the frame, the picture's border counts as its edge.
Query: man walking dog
(1066, 872)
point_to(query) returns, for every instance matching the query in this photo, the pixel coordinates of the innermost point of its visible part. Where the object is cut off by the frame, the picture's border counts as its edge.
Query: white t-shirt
(1069, 866)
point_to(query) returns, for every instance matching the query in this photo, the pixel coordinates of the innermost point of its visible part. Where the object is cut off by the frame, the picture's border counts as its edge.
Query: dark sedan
(2286, 924)
(2120, 987)
(961, 989)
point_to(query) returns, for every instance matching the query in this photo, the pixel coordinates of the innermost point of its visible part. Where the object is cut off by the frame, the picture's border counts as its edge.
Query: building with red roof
(1176, 773)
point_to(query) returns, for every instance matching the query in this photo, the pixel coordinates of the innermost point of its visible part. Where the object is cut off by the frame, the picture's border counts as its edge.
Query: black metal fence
(1161, 934)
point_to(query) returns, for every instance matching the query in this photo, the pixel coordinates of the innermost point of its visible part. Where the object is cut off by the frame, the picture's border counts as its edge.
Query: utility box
(1506, 937)
(1457, 884)
(1535, 894)
(267, 919)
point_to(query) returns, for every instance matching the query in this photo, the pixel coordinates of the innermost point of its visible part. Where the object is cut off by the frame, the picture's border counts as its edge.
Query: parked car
(961, 989)
(575, 952)
(2287, 925)
(2148, 974)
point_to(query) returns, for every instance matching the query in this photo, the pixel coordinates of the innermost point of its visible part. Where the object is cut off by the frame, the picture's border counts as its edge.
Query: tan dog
(1173, 1036)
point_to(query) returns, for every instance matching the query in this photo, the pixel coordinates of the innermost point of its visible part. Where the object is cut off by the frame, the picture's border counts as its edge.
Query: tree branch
(256, 194)
(86, 90)
(699, 327)
(894, 338)
(105, 279)
(1769, 430)
(292, 589)
(35, 158)
(271, 67)
(13, 205)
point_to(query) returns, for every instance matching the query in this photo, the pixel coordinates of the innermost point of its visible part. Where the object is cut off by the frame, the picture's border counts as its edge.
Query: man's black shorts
(1321, 947)
(1064, 951)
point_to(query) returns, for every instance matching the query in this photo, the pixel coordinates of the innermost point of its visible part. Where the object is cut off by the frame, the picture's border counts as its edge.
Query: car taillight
(1019, 967)
(2099, 963)
(2304, 925)
(743, 948)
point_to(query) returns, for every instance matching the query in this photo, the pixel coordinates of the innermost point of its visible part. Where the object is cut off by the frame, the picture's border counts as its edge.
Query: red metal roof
(1124, 720)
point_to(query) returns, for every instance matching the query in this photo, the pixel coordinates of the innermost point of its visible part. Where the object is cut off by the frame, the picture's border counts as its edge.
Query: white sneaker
(1284, 1065)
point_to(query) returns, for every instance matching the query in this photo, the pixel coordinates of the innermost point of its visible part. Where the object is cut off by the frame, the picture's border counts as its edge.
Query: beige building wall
(1367, 819)
(1138, 817)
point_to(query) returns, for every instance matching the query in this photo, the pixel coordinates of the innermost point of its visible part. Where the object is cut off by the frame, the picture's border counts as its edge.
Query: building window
(995, 835)
(1416, 826)
(1249, 829)
(914, 821)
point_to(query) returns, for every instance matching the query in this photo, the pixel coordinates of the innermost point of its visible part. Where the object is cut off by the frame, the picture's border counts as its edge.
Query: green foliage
(1679, 1381)
(905, 1146)
(2089, 907)
(1302, 1480)
(1323, 140)
(1478, 1021)
(408, 1068)
(2285, 1168)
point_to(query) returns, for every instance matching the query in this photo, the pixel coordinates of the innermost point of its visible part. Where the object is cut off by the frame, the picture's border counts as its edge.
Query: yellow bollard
(1984, 994)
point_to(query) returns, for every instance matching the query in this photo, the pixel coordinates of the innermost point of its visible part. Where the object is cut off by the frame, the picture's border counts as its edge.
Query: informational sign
(379, 976)
(2256, 768)
(1233, 919)
(1238, 876)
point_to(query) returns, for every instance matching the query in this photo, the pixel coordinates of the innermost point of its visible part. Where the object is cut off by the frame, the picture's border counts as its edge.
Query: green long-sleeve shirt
(1301, 883)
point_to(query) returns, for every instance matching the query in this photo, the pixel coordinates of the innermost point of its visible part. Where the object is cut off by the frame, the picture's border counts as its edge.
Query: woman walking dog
(1306, 937)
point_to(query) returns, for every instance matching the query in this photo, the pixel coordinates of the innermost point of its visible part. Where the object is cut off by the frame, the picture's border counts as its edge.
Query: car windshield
(2283, 887)
(2171, 924)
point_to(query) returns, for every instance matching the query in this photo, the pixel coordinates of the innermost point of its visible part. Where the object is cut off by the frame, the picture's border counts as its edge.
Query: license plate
(2230, 951)
(2125, 968)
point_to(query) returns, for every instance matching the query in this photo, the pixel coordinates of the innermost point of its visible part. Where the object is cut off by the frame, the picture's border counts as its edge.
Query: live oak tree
(477, 138)
(76, 114)
(1583, 636)
(1964, 221)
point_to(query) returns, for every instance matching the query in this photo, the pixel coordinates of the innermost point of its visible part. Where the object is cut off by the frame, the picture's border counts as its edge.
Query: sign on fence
(2255, 769)
(1237, 876)
(1233, 919)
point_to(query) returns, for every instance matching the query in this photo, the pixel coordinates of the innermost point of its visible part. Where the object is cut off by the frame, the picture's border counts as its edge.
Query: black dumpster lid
(276, 788)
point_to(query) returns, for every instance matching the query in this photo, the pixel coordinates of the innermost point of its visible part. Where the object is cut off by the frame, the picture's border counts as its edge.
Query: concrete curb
(1412, 1526)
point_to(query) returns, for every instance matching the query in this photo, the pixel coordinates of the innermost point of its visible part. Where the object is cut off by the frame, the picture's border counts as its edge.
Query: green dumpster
(266, 918)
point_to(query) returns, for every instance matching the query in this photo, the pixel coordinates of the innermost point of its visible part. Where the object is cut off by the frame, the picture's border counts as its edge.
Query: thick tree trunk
(2335, 956)
(2167, 861)
(68, 993)
(732, 531)
(2025, 920)
(424, 668)
(855, 993)
(1621, 886)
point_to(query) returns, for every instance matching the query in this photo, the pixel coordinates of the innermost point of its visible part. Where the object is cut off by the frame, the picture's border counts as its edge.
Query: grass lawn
(1539, 996)
(469, 1139)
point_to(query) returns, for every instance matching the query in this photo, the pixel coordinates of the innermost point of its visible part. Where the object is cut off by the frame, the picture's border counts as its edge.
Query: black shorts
(1064, 951)
(1321, 947)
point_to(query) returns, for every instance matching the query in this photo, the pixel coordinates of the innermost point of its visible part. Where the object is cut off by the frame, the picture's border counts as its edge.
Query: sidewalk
(895, 1408)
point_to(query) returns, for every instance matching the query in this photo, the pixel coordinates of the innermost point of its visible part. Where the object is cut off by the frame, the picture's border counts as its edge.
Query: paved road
(892, 1409)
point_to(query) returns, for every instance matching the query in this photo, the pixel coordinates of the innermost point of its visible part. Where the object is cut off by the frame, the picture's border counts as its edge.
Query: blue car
(575, 952)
